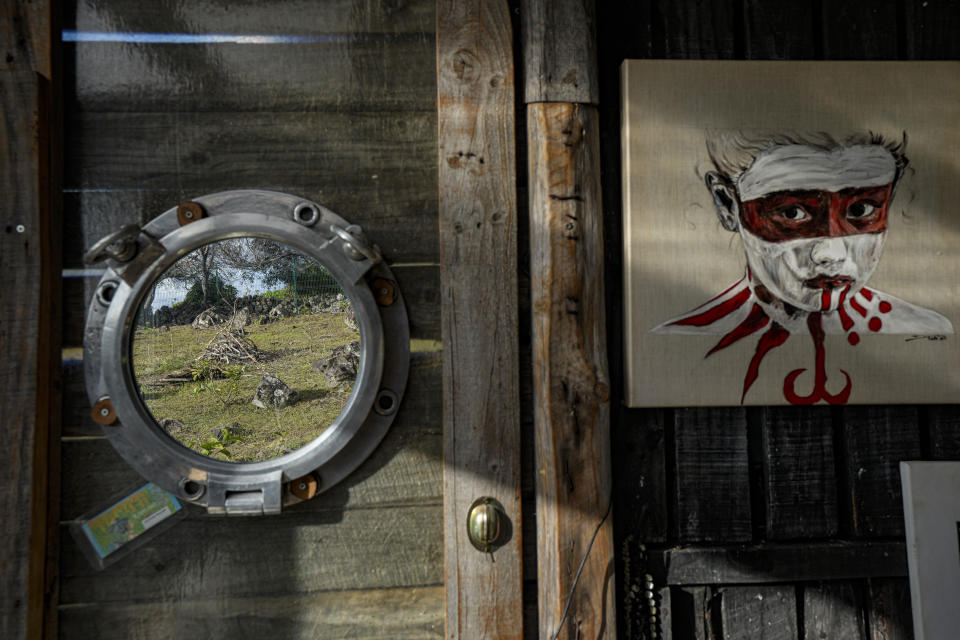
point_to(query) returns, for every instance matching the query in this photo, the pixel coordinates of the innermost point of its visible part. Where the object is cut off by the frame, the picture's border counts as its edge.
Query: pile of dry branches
(231, 346)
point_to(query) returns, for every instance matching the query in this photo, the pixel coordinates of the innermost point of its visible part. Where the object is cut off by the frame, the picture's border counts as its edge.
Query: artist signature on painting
(934, 338)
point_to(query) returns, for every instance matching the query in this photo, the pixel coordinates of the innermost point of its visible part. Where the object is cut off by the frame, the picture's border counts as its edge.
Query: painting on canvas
(790, 232)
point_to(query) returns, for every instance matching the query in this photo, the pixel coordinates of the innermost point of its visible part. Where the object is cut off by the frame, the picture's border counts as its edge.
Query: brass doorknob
(485, 524)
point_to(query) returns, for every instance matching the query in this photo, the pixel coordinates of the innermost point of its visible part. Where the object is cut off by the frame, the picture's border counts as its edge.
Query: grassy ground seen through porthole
(199, 383)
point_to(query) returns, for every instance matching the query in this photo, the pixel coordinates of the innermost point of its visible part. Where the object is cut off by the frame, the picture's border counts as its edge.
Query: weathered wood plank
(779, 31)
(639, 474)
(77, 294)
(696, 30)
(393, 215)
(204, 152)
(274, 17)
(571, 387)
(712, 475)
(695, 613)
(764, 563)
(943, 424)
(890, 615)
(860, 30)
(348, 72)
(559, 52)
(404, 470)
(370, 614)
(876, 440)
(29, 261)
(930, 29)
(800, 472)
(218, 559)
(760, 613)
(833, 610)
(478, 226)
(662, 626)
(25, 30)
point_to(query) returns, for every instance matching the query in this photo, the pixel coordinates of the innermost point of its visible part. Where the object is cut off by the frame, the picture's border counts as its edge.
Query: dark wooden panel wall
(763, 523)
(338, 107)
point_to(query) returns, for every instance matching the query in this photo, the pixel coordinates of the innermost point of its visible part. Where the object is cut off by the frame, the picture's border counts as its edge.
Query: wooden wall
(342, 113)
(756, 523)
(763, 523)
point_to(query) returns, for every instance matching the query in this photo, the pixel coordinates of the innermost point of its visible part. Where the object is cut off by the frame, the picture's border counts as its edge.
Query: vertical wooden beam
(571, 385)
(478, 226)
(559, 51)
(27, 350)
(29, 325)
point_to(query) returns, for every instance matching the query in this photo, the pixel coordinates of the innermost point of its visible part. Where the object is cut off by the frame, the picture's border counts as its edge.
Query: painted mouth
(828, 282)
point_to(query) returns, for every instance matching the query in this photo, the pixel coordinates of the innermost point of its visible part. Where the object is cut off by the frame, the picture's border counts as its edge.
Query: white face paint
(811, 273)
(794, 167)
(798, 272)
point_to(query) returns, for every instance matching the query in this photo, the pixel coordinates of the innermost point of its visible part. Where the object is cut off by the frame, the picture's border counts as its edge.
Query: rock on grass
(273, 393)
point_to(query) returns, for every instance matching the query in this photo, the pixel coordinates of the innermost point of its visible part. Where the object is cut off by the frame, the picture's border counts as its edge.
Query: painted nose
(828, 250)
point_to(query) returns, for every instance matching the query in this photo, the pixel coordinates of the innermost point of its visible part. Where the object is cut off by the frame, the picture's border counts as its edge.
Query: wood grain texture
(405, 470)
(478, 223)
(662, 625)
(695, 613)
(345, 73)
(202, 152)
(273, 17)
(696, 30)
(369, 614)
(712, 477)
(943, 425)
(25, 31)
(214, 558)
(860, 30)
(890, 615)
(800, 475)
(571, 387)
(766, 563)
(930, 29)
(394, 215)
(876, 440)
(334, 55)
(559, 51)
(834, 610)
(760, 613)
(779, 31)
(639, 474)
(28, 350)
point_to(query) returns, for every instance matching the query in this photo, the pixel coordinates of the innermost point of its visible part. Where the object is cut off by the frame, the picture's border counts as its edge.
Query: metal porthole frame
(137, 257)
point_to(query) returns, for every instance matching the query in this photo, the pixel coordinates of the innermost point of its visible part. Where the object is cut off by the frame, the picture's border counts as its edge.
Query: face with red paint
(812, 220)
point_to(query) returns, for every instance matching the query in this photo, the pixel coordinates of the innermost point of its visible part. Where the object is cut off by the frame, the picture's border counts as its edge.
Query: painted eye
(794, 214)
(861, 209)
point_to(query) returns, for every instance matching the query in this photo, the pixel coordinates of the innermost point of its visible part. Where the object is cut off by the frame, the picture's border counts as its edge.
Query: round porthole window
(246, 350)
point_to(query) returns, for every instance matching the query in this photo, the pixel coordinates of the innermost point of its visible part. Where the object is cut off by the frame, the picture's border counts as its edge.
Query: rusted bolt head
(304, 487)
(384, 292)
(188, 212)
(103, 413)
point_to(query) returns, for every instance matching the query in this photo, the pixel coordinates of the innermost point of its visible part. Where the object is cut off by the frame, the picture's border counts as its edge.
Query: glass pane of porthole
(245, 350)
